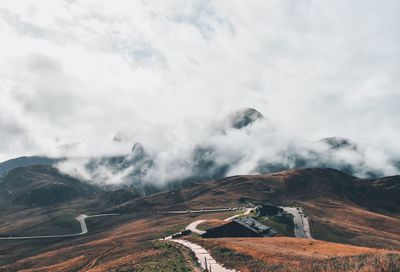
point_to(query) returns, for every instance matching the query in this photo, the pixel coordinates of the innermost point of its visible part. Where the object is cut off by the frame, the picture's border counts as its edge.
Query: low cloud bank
(244, 143)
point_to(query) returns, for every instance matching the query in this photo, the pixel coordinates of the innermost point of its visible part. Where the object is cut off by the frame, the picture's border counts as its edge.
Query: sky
(76, 73)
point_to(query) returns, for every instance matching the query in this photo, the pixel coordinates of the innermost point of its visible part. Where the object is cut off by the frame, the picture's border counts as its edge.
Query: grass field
(281, 224)
(168, 257)
(293, 254)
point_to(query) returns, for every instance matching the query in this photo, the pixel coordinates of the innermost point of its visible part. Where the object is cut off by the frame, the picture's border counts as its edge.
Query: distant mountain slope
(42, 185)
(25, 161)
(376, 194)
(382, 195)
(342, 208)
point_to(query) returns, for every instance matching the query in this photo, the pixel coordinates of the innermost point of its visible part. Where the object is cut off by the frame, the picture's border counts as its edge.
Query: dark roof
(253, 224)
(250, 224)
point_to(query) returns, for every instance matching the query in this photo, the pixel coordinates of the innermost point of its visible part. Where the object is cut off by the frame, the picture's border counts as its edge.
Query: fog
(243, 143)
(89, 79)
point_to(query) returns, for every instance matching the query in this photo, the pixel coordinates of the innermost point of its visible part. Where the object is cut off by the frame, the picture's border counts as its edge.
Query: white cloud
(163, 72)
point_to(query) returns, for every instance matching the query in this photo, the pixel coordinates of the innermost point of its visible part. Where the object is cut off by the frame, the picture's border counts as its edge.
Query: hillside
(293, 254)
(25, 161)
(287, 187)
(342, 209)
(42, 185)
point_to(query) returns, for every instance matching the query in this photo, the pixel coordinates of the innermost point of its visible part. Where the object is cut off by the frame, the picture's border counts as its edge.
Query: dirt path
(95, 260)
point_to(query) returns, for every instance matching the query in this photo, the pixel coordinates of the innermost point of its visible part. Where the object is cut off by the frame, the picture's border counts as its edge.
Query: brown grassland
(363, 232)
(294, 254)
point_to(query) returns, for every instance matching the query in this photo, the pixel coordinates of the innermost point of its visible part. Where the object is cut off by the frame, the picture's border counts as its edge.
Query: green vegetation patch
(281, 224)
(173, 230)
(207, 225)
(169, 258)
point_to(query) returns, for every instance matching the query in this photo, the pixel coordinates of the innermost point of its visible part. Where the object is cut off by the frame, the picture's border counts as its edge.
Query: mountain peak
(339, 143)
(245, 117)
(138, 148)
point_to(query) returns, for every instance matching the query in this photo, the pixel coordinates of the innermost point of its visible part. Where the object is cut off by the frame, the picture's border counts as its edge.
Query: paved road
(247, 212)
(201, 211)
(193, 227)
(80, 218)
(301, 223)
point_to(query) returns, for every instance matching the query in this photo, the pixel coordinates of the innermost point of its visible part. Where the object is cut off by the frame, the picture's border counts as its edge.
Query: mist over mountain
(25, 161)
(244, 142)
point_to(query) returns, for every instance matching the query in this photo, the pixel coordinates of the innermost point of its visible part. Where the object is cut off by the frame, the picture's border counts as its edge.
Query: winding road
(193, 226)
(80, 218)
(202, 211)
(300, 221)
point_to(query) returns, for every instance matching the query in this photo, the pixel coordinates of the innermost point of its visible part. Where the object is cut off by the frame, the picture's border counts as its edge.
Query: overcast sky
(78, 72)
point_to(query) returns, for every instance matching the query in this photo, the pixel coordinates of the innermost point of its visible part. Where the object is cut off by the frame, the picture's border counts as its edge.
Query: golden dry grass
(283, 249)
(122, 247)
(346, 223)
(294, 254)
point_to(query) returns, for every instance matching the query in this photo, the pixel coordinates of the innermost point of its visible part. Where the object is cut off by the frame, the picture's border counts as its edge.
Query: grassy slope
(347, 223)
(129, 246)
(168, 257)
(123, 241)
(292, 254)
